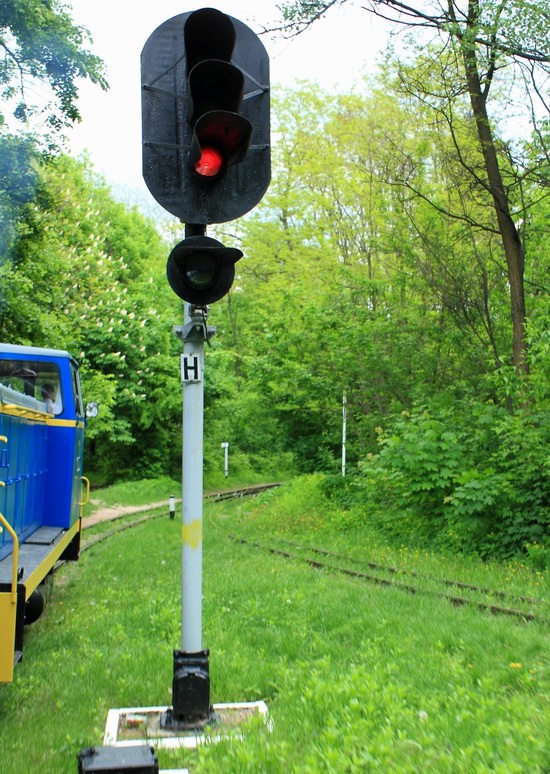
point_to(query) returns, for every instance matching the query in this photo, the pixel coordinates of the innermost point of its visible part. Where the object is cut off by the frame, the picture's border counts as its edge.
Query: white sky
(334, 52)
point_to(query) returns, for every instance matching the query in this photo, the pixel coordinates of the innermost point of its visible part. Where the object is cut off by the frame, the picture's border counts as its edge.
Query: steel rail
(399, 571)
(456, 601)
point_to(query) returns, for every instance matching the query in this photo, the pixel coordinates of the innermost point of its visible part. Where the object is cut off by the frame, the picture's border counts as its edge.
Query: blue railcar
(42, 423)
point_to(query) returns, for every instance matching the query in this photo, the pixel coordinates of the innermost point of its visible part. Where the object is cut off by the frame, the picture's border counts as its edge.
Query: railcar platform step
(33, 553)
(44, 536)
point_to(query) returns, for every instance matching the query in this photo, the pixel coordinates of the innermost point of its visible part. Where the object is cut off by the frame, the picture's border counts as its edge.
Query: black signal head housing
(195, 66)
(201, 270)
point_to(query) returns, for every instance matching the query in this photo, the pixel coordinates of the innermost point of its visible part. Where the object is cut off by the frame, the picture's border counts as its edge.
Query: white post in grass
(225, 447)
(192, 371)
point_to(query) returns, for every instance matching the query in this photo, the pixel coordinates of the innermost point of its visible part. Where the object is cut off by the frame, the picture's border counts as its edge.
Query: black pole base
(191, 708)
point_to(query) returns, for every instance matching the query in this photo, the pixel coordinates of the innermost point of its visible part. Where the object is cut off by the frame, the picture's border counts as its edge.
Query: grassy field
(357, 677)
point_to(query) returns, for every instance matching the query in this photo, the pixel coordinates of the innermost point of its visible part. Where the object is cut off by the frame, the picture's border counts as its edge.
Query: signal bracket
(196, 329)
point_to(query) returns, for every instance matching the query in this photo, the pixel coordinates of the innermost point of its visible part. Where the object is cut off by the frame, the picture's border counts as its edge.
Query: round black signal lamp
(201, 270)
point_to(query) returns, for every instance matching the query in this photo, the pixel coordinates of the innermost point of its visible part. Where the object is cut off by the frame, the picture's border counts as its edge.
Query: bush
(475, 480)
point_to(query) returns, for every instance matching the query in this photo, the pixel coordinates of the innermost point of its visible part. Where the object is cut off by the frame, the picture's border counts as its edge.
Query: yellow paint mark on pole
(191, 534)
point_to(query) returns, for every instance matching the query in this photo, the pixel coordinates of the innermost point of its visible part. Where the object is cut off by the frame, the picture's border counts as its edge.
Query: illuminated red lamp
(210, 163)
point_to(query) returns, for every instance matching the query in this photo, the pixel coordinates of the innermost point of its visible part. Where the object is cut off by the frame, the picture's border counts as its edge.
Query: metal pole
(191, 707)
(192, 489)
(225, 447)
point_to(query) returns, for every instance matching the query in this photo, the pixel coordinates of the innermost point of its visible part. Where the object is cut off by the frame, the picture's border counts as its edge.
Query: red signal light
(210, 163)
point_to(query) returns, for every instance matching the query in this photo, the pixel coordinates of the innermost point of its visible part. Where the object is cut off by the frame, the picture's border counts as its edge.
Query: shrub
(475, 479)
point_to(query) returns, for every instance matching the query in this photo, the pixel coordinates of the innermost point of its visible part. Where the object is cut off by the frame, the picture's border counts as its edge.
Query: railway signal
(206, 159)
(205, 114)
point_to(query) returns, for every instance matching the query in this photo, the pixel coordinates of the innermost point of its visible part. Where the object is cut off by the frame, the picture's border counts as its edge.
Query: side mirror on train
(92, 410)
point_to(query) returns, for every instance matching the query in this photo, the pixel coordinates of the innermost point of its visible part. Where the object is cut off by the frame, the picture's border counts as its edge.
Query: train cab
(42, 489)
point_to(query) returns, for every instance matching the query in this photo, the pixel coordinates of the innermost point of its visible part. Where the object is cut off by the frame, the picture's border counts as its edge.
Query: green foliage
(40, 44)
(400, 304)
(380, 277)
(18, 180)
(87, 275)
(475, 481)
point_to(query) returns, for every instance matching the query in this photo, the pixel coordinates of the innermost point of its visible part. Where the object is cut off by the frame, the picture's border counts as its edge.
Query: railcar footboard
(21, 573)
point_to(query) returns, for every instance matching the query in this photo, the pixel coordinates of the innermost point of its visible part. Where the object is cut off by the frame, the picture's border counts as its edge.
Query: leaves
(41, 45)
(374, 267)
(86, 275)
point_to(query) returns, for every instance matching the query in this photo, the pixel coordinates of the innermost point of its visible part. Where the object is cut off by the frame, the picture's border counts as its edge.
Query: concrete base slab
(142, 725)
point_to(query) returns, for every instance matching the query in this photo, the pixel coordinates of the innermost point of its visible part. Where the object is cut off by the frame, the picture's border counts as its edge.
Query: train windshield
(36, 380)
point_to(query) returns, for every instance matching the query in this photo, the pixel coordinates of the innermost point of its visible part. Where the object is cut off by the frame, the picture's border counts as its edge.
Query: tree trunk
(511, 241)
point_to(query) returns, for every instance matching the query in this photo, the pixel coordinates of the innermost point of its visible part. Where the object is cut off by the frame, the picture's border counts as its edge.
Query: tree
(87, 275)
(18, 180)
(41, 58)
(488, 38)
(357, 278)
(40, 44)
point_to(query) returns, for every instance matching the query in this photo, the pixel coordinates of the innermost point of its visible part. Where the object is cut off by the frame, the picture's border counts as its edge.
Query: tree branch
(301, 14)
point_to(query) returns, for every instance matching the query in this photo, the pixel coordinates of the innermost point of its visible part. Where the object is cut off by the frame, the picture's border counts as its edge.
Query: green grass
(357, 678)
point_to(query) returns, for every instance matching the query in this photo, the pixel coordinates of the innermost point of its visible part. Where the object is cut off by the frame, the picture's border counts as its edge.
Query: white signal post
(191, 683)
(225, 447)
(192, 483)
(344, 424)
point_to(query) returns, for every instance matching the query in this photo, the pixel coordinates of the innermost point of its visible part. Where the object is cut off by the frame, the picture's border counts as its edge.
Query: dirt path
(117, 511)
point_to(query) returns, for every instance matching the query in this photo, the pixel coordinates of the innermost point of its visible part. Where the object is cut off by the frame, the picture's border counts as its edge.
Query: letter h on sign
(190, 368)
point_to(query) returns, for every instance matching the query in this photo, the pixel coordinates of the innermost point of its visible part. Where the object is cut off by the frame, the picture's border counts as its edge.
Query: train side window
(38, 381)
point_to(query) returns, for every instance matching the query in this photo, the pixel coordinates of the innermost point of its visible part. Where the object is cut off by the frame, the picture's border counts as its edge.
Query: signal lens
(210, 162)
(201, 271)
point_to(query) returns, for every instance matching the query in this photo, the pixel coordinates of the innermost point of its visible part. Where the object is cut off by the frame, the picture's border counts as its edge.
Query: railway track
(519, 607)
(160, 510)
(232, 494)
(424, 585)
